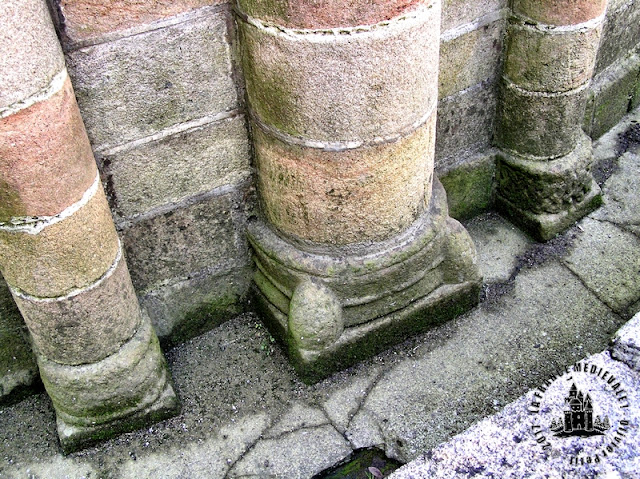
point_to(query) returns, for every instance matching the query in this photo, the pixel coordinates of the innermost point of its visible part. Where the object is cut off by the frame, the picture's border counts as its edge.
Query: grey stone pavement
(457, 401)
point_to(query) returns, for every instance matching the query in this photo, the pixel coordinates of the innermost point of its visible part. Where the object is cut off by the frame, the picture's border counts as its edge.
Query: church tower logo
(578, 417)
(581, 413)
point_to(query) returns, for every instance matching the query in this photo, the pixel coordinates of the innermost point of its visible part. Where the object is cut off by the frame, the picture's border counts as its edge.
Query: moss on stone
(205, 317)
(470, 188)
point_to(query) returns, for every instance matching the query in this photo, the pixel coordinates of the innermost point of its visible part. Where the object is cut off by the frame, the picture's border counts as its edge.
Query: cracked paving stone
(298, 415)
(343, 403)
(199, 460)
(298, 455)
(607, 259)
(504, 445)
(491, 356)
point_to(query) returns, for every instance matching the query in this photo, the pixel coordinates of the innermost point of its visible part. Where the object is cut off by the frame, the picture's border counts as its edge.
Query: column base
(333, 306)
(545, 197)
(125, 391)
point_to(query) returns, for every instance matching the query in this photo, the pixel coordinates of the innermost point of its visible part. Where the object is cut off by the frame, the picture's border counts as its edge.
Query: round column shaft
(98, 356)
(343, 99)
(544, 179)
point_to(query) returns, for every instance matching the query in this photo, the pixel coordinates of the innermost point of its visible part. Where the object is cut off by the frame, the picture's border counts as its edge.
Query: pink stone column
(544, 179)
(99, 357)
(354, 243)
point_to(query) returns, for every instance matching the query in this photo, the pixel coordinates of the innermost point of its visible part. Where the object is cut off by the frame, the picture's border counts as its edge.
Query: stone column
(354, 246)
(99, 358)
(544, 181)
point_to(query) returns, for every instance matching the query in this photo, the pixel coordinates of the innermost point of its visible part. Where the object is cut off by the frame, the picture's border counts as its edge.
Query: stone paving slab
(498, 243)
(489, 357)
(510, 443)
(607, 259)
(622, 201)
(626, 344)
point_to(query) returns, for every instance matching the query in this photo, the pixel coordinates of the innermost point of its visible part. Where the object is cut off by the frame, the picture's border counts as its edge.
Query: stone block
(621, 33)
(122, 392)
(465, 122)
(607, 259)
(86, 20)
(386, 292)
(18, 369)
(186, 309)
(560, 12)
(174, 245)
(626, 344)
(460, 12)
(87, 326)
(47, 162)
(544, 125)
(176, 167)
(31, 54)
(328, 13)
(469, 186)
(499, 244)
(612, 94)
(356, 85)
(135, 86)
(548, 61)
(351, 196)
(469, 59)
(548, 186)
(621, 199)
(66, 255)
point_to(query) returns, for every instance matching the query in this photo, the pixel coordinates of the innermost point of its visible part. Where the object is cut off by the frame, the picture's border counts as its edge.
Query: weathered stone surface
(498, 243)
(560, 12)
(87, 326)
(133, 87)
(612, 93)
(387, 291)
(315, 316)
(505, 445)
(357, 86)
(72, 253)
(621, 32)
(626, 344)
(322, 447)
(328, 13)
(353, 196)
(47, 162)
(178, 166)
(342, 403)
(539, 124)
(459, 12)
(607, 260)
(31, 54)
(622, 202)
(91, 19)
(106, 393)
(469, 186)
(465, 122)
(471, 58)
(548, 321)
(549, 61)
(186, 309)
(211, 458)
(18, 369)
(181, 242)
(546, 186)
(298, 415)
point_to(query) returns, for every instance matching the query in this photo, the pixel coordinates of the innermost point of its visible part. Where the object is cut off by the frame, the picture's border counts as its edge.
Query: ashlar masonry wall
(161, 93)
